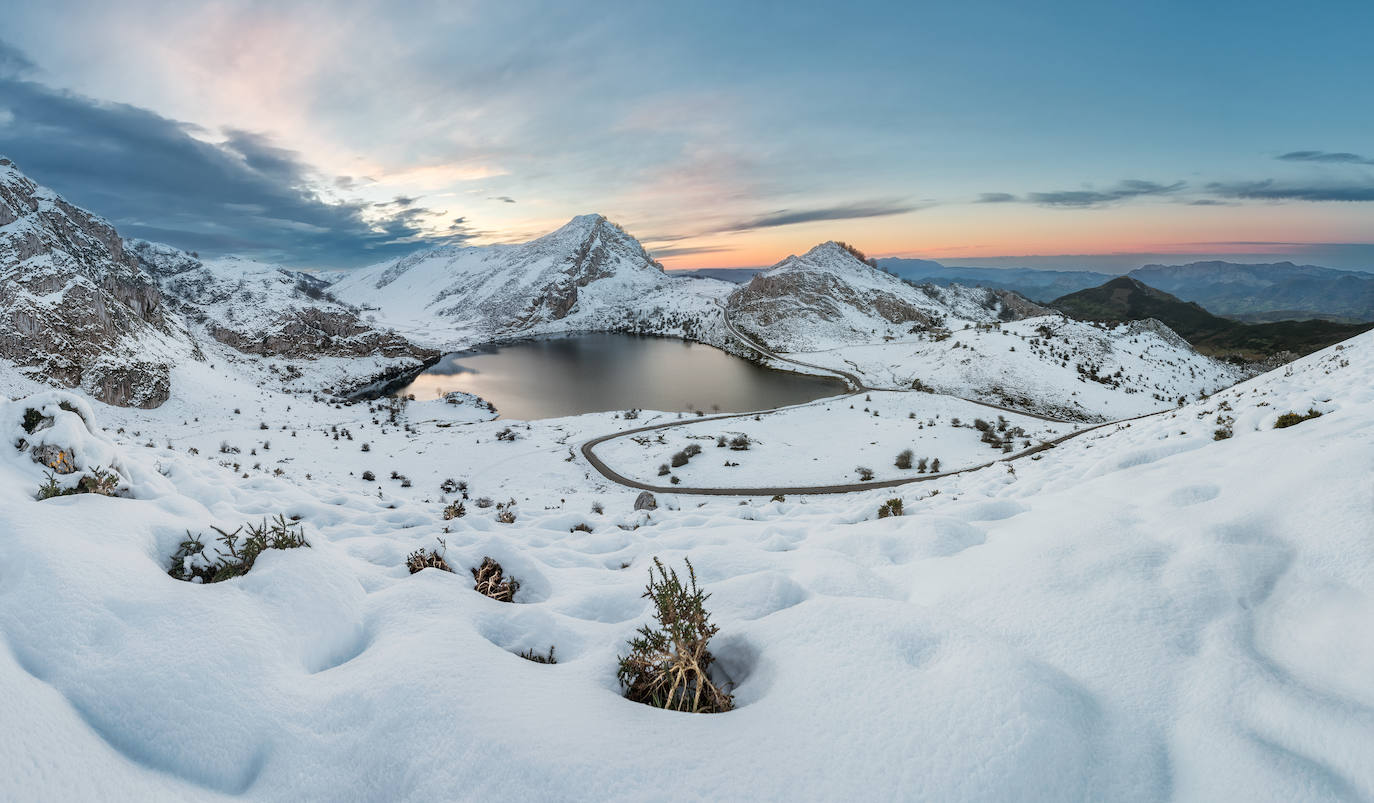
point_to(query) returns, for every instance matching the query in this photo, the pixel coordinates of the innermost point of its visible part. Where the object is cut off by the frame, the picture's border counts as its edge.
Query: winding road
(588, 448)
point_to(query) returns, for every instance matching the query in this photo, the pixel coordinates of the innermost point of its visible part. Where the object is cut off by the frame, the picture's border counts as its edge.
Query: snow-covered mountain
(829, 308)
(829, 297)
(588, 275)
(76, 308)
(263, 309)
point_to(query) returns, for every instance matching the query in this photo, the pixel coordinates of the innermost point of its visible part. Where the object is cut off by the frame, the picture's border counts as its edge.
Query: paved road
(801, 490)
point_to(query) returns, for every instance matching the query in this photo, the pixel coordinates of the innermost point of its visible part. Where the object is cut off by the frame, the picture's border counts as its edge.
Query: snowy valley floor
(1142, 613)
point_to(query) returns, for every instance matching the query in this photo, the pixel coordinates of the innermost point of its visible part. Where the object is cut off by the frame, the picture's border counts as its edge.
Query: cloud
(503, 199)
(787, 217)
(1270, 190)
(149, 176)
(1083, 199)
(1209, 202)
(13, 63)
(1325, 157)
(687, 251)
(995, 198)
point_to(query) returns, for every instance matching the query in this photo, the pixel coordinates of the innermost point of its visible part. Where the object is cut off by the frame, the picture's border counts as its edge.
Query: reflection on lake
(596, 372)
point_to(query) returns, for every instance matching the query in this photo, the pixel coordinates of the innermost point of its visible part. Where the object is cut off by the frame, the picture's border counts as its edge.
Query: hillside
(76, 308)
(1068, 627)
(82, 307)
(588, 275)
(1128, 299)
(1261, 291)
(829, 297)
(1033, 283)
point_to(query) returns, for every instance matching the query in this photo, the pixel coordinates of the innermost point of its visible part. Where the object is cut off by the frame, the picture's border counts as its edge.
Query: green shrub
(1289, 419)
(241, 552)
(892, 507)
(668, 667)
(98, 481)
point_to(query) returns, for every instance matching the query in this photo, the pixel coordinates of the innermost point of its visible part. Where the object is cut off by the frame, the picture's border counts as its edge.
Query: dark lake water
(597, 372)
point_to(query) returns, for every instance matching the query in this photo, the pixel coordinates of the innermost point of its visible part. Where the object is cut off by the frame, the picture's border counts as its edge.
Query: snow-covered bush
(669, 667)
(491, 581)
(422, 559)
(240, 552)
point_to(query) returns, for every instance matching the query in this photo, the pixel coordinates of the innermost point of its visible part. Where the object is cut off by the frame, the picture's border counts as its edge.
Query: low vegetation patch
(539, 658)
(240, 551)
(668, 666)
(422, 559)
(1289, 419)
(492, 582)
(892, 507)
(98, 481)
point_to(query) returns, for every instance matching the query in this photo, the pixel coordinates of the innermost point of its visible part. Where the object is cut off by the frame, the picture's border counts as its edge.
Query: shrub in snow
(680, 459)
(366, 448)
(892, 507)
(98, 481)
(921, 465)
(904, 459)
(1289, 419)
(935, 466)
(190, 562)
(1222, 434)
(506, 434)
(506, 516)
(740, 442)
(668, 666)
(675, 479)
(225, 448)
(422, 559)
(663, 470)
(580, 527)
(538, 658)
(368, 476)
(454, 510)
(720, 441)
(598, 508)
(483, 502)
(865, 473)
(491, 581)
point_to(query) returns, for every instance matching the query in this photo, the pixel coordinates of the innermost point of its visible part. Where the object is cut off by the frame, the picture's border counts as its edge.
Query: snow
(824, 442)
(1140, 613)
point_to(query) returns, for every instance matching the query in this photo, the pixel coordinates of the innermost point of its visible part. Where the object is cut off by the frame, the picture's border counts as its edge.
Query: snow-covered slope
(828, 308)
(828, 297)
(76, 309)
(1143, 613)
(269, 311)
(588, 275)
(1051, 365)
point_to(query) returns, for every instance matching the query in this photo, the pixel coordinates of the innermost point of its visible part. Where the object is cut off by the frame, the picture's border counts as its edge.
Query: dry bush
(454, 510)
(428, 559)
(531, 655)
(492, 583)
(668, 667)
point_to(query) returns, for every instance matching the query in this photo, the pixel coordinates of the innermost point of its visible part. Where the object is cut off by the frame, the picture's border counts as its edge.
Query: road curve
(611, 474)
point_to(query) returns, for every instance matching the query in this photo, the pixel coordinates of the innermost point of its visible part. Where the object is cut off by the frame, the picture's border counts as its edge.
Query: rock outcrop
(76, 309)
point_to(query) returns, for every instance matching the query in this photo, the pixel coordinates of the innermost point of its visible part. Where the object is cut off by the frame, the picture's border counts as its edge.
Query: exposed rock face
(267, 310)
(75, 308)
(645, 501)
(828, 296)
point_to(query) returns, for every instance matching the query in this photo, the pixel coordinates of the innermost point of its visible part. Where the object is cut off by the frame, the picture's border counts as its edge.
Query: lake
(603, 371)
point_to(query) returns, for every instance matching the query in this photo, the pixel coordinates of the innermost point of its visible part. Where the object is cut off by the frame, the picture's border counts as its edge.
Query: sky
(1062, 134)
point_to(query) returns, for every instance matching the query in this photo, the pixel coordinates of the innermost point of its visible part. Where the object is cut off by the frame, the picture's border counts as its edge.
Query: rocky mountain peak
(75, 306)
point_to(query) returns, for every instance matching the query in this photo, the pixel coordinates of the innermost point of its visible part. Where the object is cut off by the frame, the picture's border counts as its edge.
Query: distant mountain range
(1126, 298)
(1035, 284)
(1267, 292)
(1260, 292)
